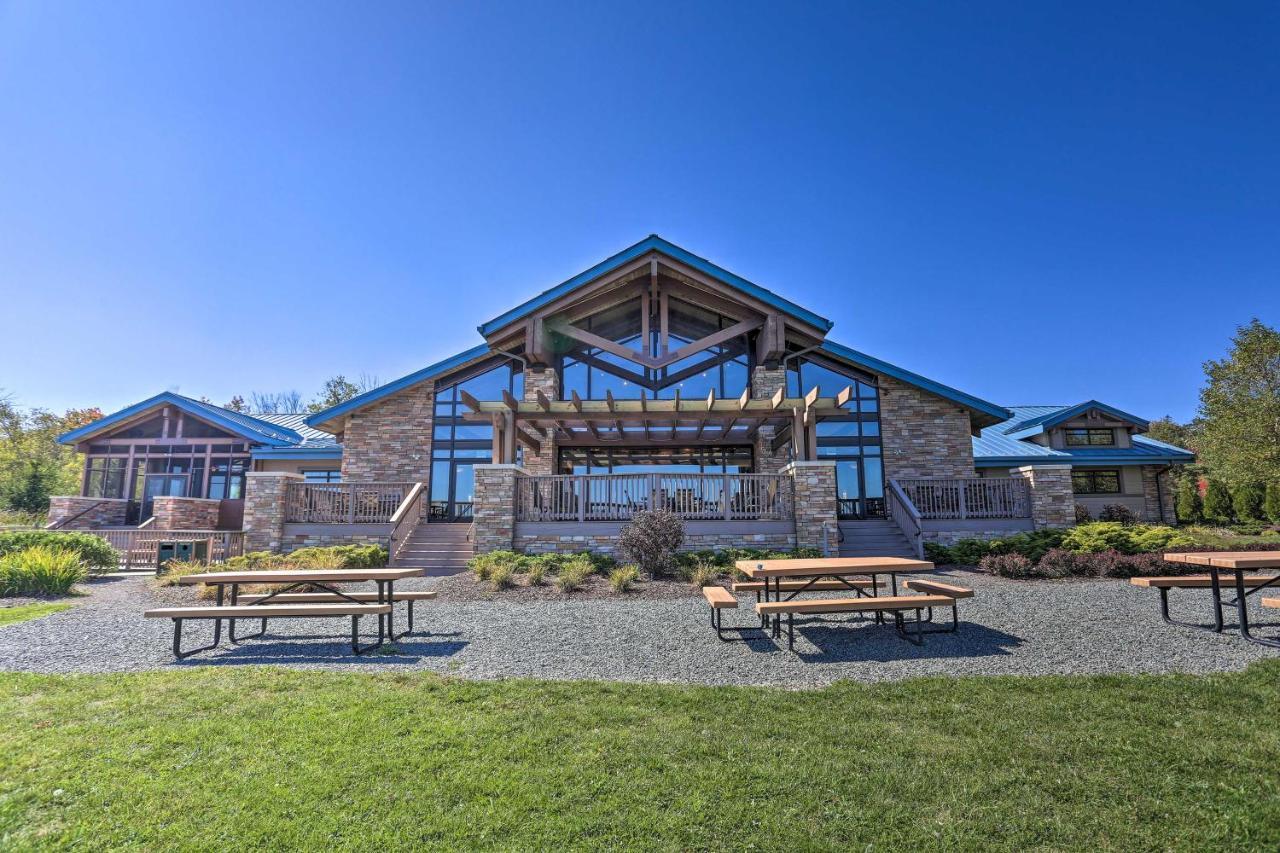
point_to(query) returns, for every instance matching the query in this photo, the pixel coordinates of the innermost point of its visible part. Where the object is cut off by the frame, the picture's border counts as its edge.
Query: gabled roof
(429, 372)
(254, 428)
(1004, 444)
(988, 413)
(654, 243)
(312, 439)
(1053, 416)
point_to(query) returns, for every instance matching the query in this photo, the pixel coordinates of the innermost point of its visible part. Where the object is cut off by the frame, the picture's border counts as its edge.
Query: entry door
(162, 485)
(849, 492)
(453, 488)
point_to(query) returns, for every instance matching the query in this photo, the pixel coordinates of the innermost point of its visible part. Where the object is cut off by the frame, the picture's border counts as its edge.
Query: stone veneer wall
(764, 383)
(815, 500)
(923, 435)
(106, 512)
(325, 540)
(494, 510)
(540, 543)
(173, 513)
(390, 441)
(548, 383)
(264, 509)
(1155, 488)
(1053, 502)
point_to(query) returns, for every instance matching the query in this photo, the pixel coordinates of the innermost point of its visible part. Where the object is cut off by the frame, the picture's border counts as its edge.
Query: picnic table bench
(330, 601)
(1235, 562)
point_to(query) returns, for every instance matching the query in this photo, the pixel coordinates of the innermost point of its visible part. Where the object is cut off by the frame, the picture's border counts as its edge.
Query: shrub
(573, 575)
(938, 554)
(174, 570)
(622, 578)
(1247, 500)
(92, 550)
(40, 570)
(1127, 539)
(1061, 563)
(704, 574)
(969, 552)
(1217, 502)
(1007, 565)
(651, 540)
(1033, 544)
(1190, 508)
(502, 575)
(1271, 503)
(1116, 512)
(1082, 514)
(536, 573)
(482, 565)
(334, 557)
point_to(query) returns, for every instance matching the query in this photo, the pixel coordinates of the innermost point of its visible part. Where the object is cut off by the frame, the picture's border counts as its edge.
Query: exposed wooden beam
(746, 396)
(575, 401)
(776, 400)
(509, 401)
(845, 395)
(608, 399)
(711, 340)
(469, 401)
(771, 343)
(542, 401)
(528, 441)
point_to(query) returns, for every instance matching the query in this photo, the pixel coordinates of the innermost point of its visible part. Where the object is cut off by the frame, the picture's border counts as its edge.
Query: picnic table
(284, 603)
(1236, 562)
(812, 570)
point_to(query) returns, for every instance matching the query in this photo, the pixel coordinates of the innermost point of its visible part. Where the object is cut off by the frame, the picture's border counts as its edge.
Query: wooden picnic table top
(823, 566)
(299, 575)
(1229, 559)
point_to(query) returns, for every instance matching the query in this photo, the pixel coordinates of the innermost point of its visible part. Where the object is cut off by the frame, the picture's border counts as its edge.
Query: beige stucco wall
(297, 466)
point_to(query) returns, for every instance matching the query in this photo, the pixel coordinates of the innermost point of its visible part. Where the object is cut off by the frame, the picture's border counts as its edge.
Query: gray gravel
(1008, 628)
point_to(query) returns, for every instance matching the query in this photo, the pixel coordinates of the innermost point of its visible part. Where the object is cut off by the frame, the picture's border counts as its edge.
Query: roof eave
(168, 398)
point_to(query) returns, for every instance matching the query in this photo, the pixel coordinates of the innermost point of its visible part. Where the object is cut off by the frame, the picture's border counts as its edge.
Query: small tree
(1217, 502)
(1190, 507)
(651, 540)
(1271, 503)
(1246, 499)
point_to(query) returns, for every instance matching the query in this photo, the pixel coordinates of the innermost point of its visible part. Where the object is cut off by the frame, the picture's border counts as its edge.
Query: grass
(24, 612)
(264, 758)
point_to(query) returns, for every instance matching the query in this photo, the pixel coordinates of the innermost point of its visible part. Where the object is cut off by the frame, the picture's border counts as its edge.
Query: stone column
(1158, 496)
(264, 509)
(815, 497)
(495, 507)
(765, 382)
(1053, 502)
(546, 381)
(173, 513)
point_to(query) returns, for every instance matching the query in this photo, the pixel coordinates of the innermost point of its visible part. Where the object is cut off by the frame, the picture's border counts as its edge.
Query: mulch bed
(465, 587)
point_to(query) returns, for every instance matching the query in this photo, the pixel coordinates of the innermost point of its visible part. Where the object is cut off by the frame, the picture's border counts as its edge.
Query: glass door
(453, 489)
(849, 492)
(162, 485)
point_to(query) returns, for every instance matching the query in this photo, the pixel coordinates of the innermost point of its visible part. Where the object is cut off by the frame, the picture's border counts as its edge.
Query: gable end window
(1096, 481)
(1091, 437)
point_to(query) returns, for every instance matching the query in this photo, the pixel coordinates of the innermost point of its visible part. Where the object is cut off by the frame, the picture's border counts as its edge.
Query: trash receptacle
(166, 550)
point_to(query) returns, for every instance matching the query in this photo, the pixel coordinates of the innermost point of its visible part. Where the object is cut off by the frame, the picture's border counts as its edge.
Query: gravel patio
(1008, 628)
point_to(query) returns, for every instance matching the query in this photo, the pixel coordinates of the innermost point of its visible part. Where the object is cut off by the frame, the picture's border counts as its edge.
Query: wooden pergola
(651, 422)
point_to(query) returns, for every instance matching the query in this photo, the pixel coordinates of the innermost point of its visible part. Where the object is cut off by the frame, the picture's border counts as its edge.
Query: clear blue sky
(1035, 203)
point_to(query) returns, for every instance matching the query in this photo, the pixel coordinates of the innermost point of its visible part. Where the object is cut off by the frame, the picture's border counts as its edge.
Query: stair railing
(405, 518)
(63, 522)
(906, 516)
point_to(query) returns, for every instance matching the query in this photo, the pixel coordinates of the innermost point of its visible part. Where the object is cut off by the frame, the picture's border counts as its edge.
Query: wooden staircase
(437, 548)
(873, 537)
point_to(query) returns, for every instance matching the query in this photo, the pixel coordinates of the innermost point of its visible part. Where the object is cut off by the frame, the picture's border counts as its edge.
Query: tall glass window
(852, 440)
(458, 444)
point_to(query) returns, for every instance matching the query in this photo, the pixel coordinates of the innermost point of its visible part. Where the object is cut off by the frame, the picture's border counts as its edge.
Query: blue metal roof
(400, 384)
(975, 404)
(655, 243)
(255, 428)
(1001, 445)
(1039, 423)
(311, 438)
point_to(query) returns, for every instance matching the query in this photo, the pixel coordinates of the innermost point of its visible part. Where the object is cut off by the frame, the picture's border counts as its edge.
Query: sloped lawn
(223, 758)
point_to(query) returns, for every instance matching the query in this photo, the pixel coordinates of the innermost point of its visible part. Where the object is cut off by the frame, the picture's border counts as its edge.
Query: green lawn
(23, 612)
(223, 758)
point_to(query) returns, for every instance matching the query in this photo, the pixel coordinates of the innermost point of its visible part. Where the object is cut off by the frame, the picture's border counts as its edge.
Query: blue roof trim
(655, 243)
(297, 453)
(398, 385)
(238, 422)
(1037, 425)
(874, 364)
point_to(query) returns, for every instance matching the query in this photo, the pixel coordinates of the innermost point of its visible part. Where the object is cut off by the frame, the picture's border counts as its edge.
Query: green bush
(536, 573)
(622, 578)
(92, 550)
(1127, 539)
(939, 555)
(1271, 503)
(1190, 507)
(482, 565)
(336, 557)
(502, 576)
(1247, 500)
(40, 570)
(969, 552)
(574, 575)
(1217, 502)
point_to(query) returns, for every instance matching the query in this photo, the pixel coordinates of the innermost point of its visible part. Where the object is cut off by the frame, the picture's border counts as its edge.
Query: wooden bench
(895, 604)
(720, 599)
(820, 585)
(1226, 582)
(1271, 602)
(408, 595)
(265, 612)
(929, 587)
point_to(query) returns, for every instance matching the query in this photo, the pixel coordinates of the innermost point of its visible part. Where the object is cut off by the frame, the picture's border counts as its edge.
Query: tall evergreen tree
(1246, 500)
(1190, 507)
(1271, 505)
(1217, 502)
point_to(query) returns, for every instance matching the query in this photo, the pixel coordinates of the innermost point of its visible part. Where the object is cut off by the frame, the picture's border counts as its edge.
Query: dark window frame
(1089, 477)
(1085, 436)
